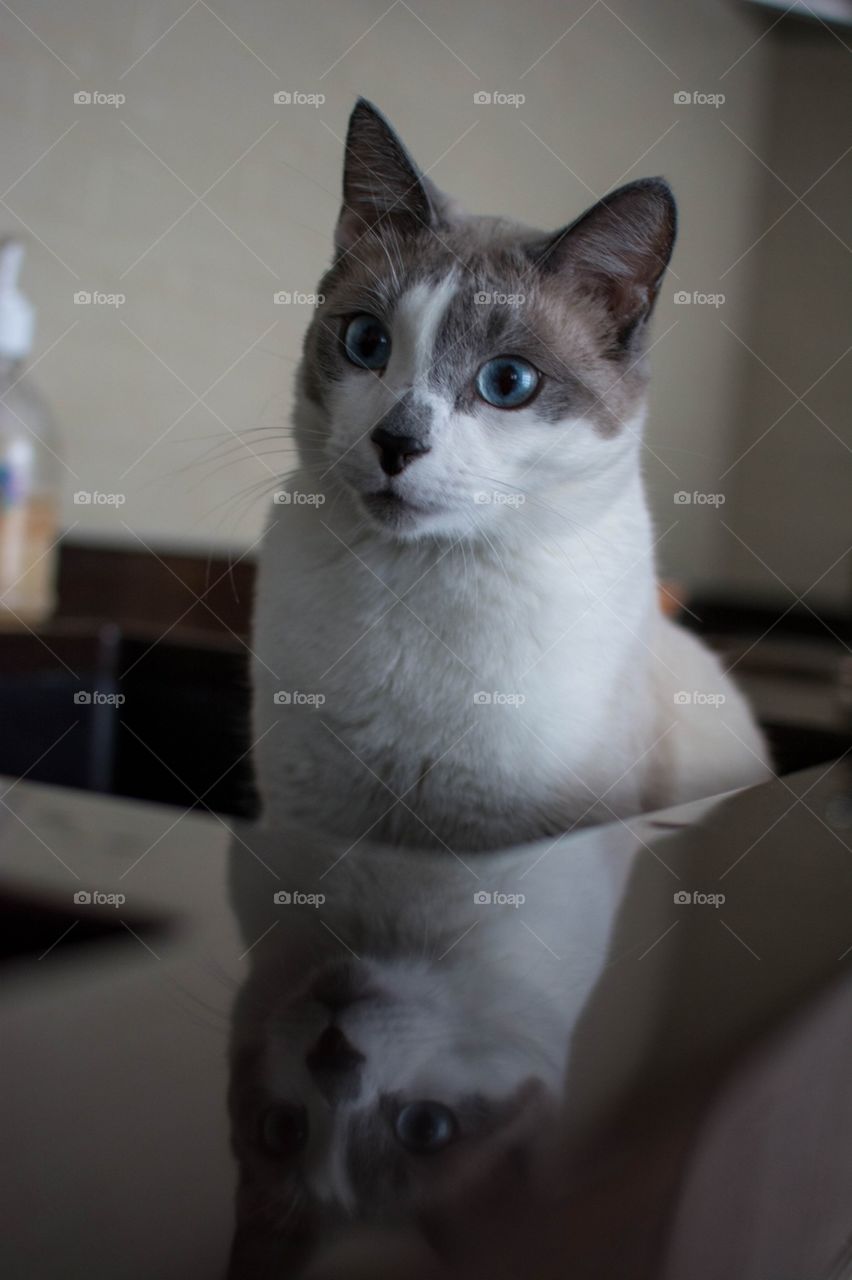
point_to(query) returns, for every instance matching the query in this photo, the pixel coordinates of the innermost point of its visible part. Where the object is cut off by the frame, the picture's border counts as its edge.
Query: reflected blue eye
(507, 382)
(423, 1127)
(367, 342)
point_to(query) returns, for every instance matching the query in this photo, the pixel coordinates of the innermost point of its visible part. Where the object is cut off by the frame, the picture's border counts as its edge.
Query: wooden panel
(138, 589)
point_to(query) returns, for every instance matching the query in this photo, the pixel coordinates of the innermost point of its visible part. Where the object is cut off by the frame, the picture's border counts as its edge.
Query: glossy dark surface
(703, 1116)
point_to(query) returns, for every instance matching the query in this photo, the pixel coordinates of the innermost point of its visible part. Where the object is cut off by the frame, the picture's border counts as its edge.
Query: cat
(407, 1027)
(457, 634)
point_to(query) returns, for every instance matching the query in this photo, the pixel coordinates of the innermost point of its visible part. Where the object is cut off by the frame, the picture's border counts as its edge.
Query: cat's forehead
(478, 255)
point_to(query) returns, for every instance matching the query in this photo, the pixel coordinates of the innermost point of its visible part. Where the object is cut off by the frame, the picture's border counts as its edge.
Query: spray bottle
(29, 464)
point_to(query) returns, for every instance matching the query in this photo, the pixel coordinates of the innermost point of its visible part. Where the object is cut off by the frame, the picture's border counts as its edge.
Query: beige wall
(792, 491)
(111, 207)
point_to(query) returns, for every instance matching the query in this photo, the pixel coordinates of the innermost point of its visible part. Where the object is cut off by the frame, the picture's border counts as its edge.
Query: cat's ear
(618, 250)
(382, 185)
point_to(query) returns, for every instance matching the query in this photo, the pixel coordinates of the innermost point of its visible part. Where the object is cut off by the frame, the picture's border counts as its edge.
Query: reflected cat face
(361, 1096)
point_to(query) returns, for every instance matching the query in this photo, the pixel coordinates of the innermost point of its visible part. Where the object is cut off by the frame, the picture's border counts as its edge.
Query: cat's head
(362, 1096)
(460, 367)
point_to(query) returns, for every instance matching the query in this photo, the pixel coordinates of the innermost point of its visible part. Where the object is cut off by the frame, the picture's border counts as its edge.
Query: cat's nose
(396, 451)
(335, 1065)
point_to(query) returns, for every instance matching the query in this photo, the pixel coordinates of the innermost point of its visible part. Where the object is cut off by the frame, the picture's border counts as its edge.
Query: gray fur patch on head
(551, 320)
(575, 303)
(506, 305)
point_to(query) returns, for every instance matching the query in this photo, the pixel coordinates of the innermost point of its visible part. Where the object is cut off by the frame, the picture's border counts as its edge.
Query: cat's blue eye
(507, 382)
(367, 342)
(424, 1127)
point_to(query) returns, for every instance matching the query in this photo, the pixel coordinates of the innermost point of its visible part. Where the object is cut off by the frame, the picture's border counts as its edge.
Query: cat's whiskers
(246, 497)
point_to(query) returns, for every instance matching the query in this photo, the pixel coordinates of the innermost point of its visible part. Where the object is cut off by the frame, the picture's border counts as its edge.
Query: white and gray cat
(458, 635)
(407, 1026)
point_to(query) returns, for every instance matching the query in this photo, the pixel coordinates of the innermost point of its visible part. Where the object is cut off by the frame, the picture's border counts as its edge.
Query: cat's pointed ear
(382, 185)
(619, 250)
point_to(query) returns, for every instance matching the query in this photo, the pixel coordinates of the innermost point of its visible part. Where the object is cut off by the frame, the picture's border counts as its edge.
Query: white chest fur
(458, 695)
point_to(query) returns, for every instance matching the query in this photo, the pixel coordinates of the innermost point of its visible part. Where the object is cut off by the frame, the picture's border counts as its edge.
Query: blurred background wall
(198, 198)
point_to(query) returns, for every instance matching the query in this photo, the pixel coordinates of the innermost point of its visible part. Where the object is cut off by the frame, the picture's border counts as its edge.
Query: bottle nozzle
(11, 260)
(17, 318)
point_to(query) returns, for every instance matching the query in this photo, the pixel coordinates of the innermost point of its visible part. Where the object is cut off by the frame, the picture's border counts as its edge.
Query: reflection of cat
(400, 1032)
(690, 1036)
